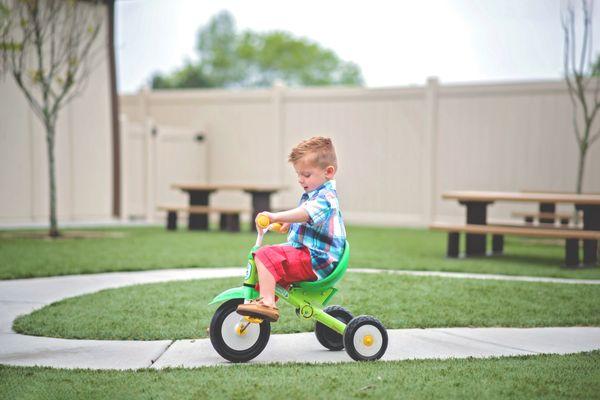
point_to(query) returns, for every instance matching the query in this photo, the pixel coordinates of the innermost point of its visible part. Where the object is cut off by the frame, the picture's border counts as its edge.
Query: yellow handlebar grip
(276, 227)
(263, 221)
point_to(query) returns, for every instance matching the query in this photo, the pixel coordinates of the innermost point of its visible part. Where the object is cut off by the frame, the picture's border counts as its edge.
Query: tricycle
(240, 338)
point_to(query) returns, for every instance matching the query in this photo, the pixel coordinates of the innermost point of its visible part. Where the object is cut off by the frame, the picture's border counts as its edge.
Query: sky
(395, 43)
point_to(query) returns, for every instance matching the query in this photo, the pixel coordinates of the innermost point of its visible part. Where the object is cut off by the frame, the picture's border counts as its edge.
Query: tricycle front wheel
(234, 337)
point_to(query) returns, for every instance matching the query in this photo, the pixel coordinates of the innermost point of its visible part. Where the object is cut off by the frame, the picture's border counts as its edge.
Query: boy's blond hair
(320, 148)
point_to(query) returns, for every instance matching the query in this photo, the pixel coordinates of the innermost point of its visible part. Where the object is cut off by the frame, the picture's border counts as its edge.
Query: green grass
(545, 376)
(178, 310)
(153, 248)
(175, 310)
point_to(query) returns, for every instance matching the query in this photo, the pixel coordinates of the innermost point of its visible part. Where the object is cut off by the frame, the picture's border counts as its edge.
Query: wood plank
(554, 191)
(485, 196)
(556, 233)
(214, 187)
(542, 214)
(202, 209)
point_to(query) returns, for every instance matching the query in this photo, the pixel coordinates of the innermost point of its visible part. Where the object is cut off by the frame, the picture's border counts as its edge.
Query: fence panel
(399, 149)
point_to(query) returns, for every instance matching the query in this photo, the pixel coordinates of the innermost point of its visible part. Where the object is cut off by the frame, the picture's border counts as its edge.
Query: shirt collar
(329, 185)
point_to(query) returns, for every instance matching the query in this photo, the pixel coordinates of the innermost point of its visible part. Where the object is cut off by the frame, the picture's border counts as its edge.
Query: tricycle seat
(332, 279)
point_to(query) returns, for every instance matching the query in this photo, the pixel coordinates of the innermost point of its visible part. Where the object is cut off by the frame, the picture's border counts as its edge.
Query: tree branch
(74, 67)
(39, 76)
(37, 109)
(573, 39)
(570, 85)
(586, 31)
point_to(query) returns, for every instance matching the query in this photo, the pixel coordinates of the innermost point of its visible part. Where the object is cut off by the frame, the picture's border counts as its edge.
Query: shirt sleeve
(318, 210)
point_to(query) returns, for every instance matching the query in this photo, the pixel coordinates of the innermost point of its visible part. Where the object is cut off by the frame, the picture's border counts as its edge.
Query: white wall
(399, 149)
(83, 153)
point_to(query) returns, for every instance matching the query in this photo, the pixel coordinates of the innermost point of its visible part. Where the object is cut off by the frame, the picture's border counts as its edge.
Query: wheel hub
(240, 328)
(367, 340)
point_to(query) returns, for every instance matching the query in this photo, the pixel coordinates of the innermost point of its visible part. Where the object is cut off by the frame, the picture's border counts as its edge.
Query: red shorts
(287, 264)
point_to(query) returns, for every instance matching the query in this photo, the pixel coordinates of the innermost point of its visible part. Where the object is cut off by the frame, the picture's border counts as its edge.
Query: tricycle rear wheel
(233, 337)
(329, 338)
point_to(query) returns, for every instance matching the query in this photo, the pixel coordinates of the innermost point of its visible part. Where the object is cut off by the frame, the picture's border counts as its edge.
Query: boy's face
(311, 176)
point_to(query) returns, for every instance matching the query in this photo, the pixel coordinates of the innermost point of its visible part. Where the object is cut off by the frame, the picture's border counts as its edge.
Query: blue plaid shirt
(323, 234)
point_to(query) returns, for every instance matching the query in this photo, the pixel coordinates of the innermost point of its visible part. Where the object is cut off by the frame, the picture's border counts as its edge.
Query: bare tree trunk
(581, 168)
(50, 135)
(48, 48)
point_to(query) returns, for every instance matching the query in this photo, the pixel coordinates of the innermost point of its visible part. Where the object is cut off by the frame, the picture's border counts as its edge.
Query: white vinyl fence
(153, 158)
(399, 149)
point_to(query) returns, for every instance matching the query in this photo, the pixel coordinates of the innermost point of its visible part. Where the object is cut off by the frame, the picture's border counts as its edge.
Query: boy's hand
(285, 228)
(266, 214)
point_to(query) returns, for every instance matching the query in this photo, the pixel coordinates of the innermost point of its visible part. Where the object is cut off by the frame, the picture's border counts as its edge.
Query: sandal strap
(259, 301)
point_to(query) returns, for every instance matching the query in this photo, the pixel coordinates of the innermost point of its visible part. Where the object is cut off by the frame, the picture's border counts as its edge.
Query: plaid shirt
(323, 234)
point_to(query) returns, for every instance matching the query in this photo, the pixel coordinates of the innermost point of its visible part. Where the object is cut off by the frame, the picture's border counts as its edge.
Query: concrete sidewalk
(24, 295)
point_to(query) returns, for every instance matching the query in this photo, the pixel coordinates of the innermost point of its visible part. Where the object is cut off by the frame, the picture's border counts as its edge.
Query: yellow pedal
(253, 320)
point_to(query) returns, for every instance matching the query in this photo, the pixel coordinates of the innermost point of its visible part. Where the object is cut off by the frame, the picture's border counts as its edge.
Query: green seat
(332, 279)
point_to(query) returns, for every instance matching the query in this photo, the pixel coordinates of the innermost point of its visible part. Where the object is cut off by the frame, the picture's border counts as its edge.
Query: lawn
(178, 310)
(143, 248)
(175, 310)
(544, 376)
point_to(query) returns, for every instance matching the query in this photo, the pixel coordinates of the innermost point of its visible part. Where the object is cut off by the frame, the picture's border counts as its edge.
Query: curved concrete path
(25, 295)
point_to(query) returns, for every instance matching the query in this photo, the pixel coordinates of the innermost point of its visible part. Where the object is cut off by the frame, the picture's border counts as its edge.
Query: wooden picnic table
(476, 203)
(199, 194)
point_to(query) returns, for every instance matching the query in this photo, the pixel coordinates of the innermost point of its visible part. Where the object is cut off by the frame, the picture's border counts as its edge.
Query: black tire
(255, 347)
(358, 330)
(329, 338)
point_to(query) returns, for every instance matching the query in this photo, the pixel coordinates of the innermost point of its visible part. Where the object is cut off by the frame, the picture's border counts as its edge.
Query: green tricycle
(240, 338)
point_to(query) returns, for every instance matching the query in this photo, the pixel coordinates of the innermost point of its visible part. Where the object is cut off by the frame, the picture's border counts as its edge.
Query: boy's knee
(259, 264)
(257, 257)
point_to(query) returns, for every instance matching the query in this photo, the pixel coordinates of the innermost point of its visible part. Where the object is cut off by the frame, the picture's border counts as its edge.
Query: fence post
(123, 139)
(429, 163)
(278, 93)
(150, 133)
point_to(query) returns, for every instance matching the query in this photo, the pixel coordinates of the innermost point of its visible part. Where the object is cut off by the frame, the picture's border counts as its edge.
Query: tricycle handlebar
(264, 223)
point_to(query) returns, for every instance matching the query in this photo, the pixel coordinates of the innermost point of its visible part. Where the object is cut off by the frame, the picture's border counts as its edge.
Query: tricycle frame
(308, 303)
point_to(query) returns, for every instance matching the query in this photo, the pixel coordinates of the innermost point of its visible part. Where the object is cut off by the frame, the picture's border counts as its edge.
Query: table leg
(497, 244)
(547, 208)
(476, 214)
(172, 220)
(261, 201)
(453, 244)
(197, 222)
(591, 221)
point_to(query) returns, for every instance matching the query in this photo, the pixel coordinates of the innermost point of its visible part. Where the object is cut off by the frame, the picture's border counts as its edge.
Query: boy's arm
(297, 214)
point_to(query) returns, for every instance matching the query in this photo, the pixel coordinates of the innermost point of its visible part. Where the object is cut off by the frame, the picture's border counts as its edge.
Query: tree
(188, 77)
(581, 76)
(46, 46)
(596, 68)
(251, 59)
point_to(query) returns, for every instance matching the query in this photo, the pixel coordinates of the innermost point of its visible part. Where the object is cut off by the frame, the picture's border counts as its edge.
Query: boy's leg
(267, 283)
(265, 308)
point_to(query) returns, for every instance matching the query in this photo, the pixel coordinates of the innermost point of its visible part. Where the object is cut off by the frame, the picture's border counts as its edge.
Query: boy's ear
(330, 171)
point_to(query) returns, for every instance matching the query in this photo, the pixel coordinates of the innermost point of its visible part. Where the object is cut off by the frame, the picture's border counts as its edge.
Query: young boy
(316, 236)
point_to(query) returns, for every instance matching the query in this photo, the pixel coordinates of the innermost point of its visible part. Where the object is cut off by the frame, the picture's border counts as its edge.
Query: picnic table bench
(544, 217)
(571, 236)
(198, 207)
(477, 227)
(547, 209)
(229, 219)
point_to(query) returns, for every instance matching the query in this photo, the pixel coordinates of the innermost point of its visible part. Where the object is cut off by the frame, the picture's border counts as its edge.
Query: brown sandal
(258, 309)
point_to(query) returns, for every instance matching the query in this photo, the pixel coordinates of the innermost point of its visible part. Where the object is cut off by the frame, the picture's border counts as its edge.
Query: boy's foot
(257, 308)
